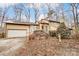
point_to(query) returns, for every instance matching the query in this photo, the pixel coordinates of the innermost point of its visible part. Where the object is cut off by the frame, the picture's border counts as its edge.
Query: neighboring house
(18, 29)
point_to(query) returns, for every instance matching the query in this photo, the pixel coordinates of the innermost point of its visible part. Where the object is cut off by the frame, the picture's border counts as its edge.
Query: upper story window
(42, 27)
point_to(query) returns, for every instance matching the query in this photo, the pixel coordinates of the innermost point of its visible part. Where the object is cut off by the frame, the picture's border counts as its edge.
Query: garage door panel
(16, 33)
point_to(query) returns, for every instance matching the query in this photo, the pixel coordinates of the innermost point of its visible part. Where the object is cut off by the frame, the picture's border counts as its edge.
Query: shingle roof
(53, 21)
(50, 21)
(20, 23)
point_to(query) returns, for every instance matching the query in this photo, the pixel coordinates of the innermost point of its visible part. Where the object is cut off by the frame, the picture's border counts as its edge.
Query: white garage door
(16, 33)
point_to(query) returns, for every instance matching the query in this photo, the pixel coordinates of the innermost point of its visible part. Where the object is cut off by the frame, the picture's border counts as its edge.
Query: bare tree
(28, 13)
(61, 13)
(56, 14)
(18, 11)
(36, 11)
(49, 14)
(52, 11)
(3, 14)
(75, 15)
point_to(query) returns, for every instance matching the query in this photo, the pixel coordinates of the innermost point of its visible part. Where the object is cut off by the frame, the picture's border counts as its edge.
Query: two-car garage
(16, 33)
(19, 29)
(16, 30)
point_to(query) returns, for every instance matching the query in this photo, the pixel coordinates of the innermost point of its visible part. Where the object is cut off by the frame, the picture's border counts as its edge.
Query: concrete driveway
(9, 45)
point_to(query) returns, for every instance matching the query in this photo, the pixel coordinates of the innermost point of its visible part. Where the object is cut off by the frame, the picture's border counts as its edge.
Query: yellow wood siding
(17, 27)
(44, 27)
(53, 26)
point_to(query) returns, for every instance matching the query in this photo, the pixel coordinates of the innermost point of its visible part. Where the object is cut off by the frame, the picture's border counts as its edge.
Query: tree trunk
(75, 16)
(59, 37)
